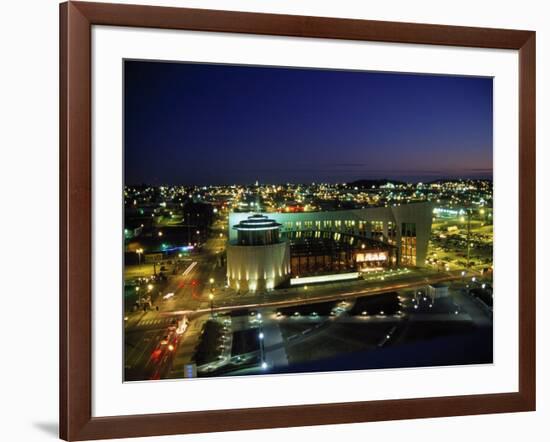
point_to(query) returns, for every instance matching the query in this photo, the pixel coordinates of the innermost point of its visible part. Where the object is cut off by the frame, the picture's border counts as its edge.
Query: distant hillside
(457, 180)
(369, 184)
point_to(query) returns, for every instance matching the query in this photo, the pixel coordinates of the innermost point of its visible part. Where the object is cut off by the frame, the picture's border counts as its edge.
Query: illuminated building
(258, 258)
(353, 239)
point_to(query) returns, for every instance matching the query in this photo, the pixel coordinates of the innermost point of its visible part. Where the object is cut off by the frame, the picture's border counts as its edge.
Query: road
(146, 357)
(282, 298)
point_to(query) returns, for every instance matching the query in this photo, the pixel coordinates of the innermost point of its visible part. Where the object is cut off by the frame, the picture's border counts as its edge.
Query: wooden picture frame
(76, 21)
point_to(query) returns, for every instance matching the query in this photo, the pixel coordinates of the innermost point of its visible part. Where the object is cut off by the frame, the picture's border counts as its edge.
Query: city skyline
(258, 183)
(266, 240)
(198, 124)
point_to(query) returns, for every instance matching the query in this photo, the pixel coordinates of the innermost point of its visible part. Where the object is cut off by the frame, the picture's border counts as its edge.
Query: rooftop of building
(257, 222)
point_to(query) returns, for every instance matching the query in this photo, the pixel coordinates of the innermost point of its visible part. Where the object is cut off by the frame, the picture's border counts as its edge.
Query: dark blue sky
(222, 124)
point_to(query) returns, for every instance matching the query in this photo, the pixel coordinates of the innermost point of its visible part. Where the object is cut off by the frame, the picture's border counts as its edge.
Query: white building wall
(257, 268)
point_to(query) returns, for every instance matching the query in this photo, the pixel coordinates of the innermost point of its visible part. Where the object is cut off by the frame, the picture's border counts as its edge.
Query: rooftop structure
(257, 230)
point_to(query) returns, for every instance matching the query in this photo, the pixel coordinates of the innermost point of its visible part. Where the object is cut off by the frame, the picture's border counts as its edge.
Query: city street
(189, 297)
(187, 291)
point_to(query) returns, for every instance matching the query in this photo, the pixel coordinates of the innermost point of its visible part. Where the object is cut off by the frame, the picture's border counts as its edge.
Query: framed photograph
(274, 220)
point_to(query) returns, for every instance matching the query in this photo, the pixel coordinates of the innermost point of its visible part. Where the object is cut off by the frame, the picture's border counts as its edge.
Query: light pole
(139, 296)
(139, 253)
(211, 296)
(211, 282)
(150, 288)
(262, 351)
(469, 213)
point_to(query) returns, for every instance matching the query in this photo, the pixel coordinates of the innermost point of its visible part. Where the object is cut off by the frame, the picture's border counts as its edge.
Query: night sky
(221, 124)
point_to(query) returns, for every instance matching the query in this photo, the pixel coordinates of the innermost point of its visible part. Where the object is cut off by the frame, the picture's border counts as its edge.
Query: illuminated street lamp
(211, 297)
(262, 350)
(139, 253)
(139, 295)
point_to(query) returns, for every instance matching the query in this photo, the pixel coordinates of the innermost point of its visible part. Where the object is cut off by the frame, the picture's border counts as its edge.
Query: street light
(139, 295)
(262, 350)
(139, 252)
(211, 297)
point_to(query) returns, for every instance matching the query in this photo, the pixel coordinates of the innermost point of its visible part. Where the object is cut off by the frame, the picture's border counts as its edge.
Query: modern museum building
(266, 250)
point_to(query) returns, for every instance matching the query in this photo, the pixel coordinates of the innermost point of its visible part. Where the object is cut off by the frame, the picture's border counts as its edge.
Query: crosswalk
(156, 321)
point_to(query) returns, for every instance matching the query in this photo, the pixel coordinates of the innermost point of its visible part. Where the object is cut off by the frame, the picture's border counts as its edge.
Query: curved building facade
(257, 258)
